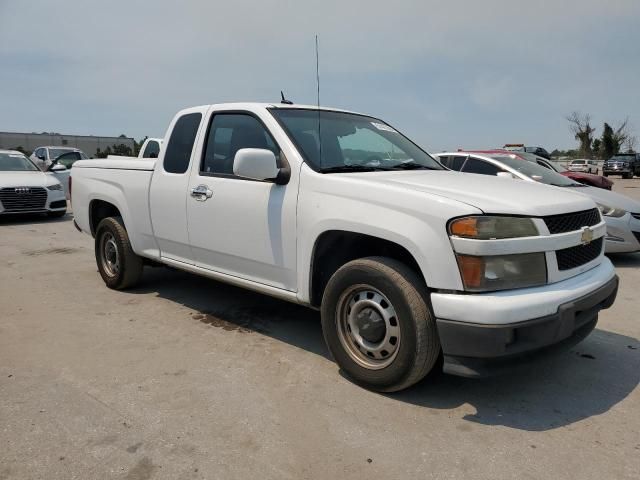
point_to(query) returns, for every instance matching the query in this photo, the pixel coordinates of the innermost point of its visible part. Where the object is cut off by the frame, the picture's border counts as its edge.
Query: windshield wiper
(412, 166)
(571, 185)
(352, 168)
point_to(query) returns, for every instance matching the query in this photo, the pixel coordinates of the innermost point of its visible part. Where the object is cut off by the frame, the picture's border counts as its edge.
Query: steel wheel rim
(368, 327)
(109, 255)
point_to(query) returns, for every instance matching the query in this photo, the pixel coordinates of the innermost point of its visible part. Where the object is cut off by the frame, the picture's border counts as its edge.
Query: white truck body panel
(261, 235)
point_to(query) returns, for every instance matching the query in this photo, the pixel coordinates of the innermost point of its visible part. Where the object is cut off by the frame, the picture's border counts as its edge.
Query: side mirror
(256, 164)
(56, 167)
(504, 175)
(41, 157)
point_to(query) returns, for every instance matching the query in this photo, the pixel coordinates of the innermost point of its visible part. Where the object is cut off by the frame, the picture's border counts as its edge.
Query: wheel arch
(334, 248)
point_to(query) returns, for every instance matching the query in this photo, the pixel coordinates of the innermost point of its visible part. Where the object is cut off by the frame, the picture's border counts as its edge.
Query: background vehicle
(44, 156)
(149, 149)
(625, 164)
(592, 180)
(520, 147)
(622, 214)
(24, 188)
(583, 165)
(354, 219)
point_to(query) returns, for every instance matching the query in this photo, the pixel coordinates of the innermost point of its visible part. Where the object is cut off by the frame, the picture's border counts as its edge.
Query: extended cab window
(475, 165)
(228, 133)
(176, 158)
(151, 150)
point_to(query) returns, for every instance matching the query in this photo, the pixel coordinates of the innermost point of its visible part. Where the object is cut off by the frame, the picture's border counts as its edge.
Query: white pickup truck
(408, 262)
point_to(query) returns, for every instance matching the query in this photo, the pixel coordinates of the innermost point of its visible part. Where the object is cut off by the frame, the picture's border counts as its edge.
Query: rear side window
(474, 165)
(454, 163)
(178, 153)
(228, 133)
(151, 150)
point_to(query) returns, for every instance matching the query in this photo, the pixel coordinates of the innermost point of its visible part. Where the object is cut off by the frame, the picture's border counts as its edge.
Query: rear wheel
(378, 325)
(118, 265)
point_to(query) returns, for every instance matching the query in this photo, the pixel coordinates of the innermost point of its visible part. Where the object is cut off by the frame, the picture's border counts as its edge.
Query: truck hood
(487, 193)
(25, 179)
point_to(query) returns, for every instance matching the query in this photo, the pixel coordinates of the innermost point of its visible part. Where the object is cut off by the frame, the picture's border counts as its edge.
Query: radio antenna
(318, 99)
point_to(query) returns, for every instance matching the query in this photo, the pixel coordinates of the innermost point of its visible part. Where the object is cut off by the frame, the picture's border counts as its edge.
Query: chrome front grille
(23, 199)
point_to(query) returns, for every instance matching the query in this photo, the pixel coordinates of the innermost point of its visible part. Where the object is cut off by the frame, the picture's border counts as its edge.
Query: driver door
(241, 227)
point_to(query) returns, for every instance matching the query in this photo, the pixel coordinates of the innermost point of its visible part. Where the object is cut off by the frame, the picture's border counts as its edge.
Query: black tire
(417, 345)
(118, 265)
(59, 214)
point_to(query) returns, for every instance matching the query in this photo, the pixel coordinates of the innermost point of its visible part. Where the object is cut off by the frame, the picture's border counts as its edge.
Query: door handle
(201, 193)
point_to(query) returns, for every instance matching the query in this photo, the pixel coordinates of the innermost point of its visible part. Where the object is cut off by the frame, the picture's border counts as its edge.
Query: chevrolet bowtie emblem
(587, 235)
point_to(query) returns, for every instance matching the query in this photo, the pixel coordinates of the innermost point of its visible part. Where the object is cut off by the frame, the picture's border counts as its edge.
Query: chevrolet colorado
(407, 261)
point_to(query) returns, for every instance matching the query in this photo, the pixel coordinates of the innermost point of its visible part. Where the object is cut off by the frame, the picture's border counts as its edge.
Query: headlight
(55, 186)
(608, 211)
(504, 272)
(492, 227)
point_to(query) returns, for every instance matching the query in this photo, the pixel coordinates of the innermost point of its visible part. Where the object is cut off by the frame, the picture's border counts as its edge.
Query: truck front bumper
(475, 348)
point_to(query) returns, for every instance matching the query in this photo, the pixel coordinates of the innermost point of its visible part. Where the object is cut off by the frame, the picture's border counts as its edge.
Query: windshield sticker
(382, 126)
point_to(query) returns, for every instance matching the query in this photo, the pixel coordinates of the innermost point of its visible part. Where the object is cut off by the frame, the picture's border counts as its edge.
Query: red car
(585, 178)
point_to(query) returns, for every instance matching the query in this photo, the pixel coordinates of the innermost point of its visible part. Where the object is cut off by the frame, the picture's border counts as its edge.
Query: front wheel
(118, 265)
(377, 324)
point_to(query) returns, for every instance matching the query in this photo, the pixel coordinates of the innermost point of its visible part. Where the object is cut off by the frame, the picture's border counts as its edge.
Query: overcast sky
(475, 73)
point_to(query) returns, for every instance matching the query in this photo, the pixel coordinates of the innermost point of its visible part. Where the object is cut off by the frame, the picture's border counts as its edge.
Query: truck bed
(118, 163)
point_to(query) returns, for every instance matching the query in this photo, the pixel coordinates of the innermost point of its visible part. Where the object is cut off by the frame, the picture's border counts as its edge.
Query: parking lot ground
(187, 378)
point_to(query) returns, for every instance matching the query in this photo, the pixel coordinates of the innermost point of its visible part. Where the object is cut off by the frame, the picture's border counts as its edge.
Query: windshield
(16, 162)
(622, 158)
(578, 162)
(530, 169)
(350, 142)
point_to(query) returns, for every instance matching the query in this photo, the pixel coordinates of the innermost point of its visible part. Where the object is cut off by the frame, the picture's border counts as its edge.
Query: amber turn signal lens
(471, 270)
(465, 227)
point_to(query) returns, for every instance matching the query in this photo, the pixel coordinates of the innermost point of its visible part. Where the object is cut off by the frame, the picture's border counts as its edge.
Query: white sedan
(621, 213)
(24, 188)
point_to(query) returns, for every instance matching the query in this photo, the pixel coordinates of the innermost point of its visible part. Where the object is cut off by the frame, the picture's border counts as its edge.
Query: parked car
(621, 213)
(592, 180)
(24, 188)
(520, 147)
(583, 165)
(43, 157)
(399, 254)
(149, 149)
(625, 164)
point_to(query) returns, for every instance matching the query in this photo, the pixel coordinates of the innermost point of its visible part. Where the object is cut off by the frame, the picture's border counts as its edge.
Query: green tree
(609, 147)
(596, 146)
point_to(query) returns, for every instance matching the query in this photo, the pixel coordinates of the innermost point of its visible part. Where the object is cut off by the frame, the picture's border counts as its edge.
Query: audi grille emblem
(22, 190)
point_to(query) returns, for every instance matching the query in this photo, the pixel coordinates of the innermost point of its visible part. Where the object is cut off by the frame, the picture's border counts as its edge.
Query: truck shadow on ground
(554, 392)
